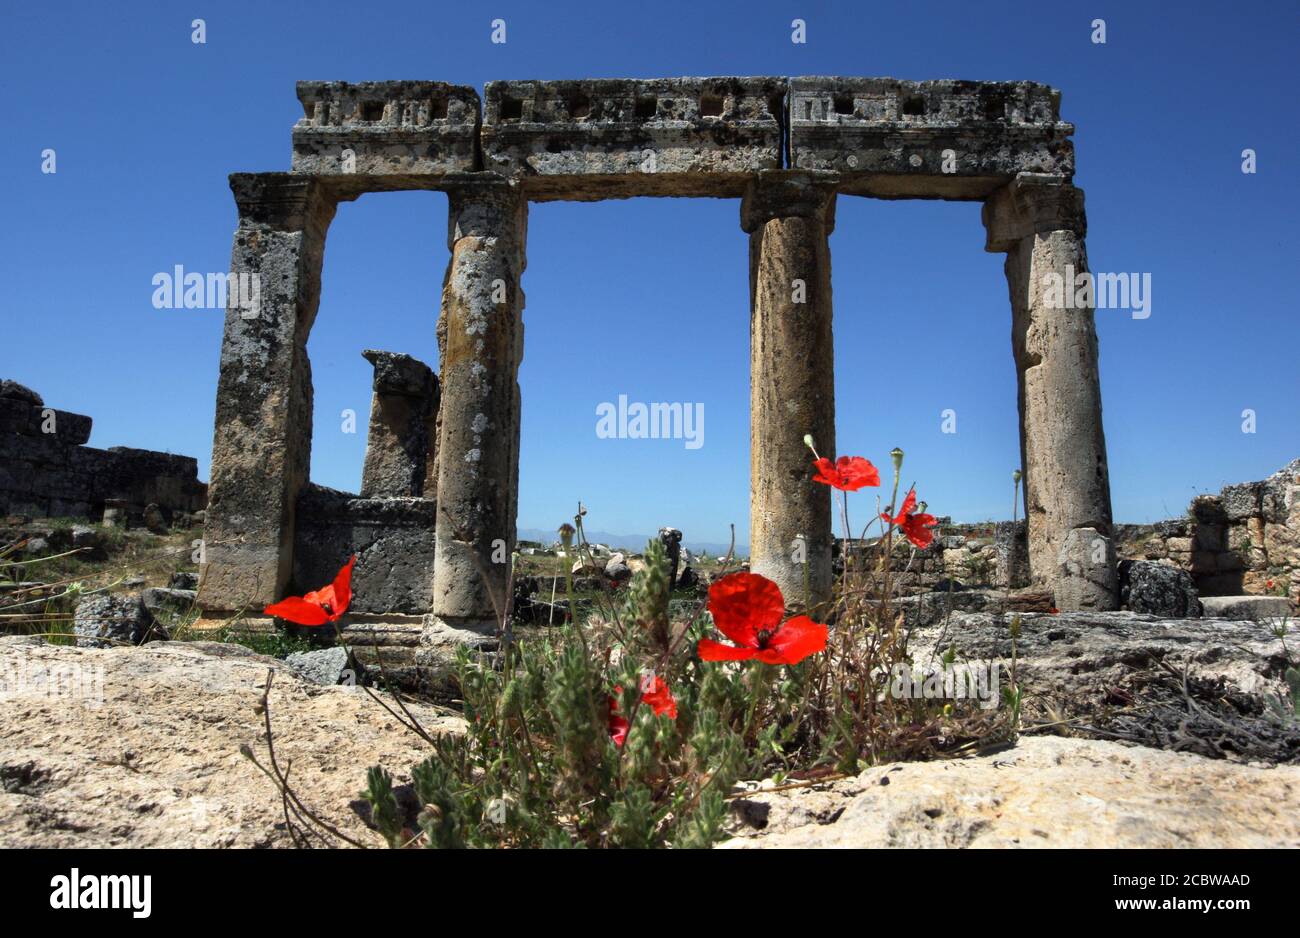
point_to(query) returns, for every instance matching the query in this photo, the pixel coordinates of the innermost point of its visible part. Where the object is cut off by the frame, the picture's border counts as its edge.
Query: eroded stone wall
(1245, 540)
(45, 471)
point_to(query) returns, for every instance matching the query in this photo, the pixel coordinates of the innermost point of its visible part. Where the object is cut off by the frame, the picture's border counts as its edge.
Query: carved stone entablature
(386, 129)
(627, 137)
(930, 139)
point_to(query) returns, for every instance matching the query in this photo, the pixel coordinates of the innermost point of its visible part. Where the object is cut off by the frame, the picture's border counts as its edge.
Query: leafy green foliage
(539, 767)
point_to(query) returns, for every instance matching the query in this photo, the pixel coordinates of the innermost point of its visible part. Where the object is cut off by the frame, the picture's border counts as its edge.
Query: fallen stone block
(101, 621)
(1250, 608)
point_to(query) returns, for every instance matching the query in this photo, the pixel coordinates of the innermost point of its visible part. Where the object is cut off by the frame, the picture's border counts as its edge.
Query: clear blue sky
(649, 298)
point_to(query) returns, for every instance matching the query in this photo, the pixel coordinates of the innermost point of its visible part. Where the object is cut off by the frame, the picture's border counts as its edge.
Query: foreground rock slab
(1044, 792)
(155, 762)
(1209, 686)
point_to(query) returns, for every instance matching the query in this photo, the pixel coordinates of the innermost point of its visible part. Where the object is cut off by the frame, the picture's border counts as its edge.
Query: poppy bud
(1016, 476)
(566, 532)
(896, 455)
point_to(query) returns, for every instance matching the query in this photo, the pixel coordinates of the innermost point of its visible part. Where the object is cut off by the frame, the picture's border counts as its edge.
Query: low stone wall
(392, 537)
(45, 471)
(1245, 540)
(990, 553)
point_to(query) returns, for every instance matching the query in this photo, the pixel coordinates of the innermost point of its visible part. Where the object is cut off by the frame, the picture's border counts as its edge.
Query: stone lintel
(788, 194)
(1032, 203)
(928, 139)
(616, 138)
(380, 128)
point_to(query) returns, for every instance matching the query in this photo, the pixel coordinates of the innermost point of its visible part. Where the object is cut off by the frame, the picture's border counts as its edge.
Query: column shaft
(1039, 222)
(261, 449)
(789, 217)
(480, 336)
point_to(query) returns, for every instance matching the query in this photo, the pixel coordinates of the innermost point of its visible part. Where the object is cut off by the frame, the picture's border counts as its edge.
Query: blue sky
(647, 297)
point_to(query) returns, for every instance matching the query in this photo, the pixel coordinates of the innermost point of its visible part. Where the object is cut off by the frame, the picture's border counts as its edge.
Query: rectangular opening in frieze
(437, 109)
(578, 105)
(512, 109)
(711, 105)
(914, 106)
(646, 106)
(844, 104)
(372, 111)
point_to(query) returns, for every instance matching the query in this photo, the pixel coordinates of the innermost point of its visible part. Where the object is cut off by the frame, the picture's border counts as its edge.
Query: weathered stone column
(261, 448)
(1039, 222)
(480, 340)
(789, 216)
(400, 444)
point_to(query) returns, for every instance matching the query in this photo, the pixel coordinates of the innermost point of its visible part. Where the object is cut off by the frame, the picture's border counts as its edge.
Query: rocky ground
(1044, 792)
(145, 752)
(1162, 733)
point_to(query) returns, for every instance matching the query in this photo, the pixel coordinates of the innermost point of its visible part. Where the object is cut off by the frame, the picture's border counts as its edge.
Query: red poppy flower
(848, 473)
(747, 608)
(618, 725)
(320, 606)
(655, 692)
(916, 527)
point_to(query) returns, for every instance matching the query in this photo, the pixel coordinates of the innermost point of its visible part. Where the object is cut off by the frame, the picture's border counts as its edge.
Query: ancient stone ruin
(46, 471)
(436, 515)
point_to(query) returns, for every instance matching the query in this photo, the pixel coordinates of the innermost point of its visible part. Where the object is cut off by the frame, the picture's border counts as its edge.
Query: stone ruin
(1245, 541)
(46, 471)
(436, 515)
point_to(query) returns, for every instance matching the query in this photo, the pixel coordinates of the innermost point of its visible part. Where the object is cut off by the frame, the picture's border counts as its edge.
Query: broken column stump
(401, 444)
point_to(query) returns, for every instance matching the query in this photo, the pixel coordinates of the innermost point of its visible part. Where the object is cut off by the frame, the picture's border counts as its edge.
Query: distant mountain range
(630, 542)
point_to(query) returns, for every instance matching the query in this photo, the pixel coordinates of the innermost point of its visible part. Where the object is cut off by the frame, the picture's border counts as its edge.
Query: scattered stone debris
(103, 620)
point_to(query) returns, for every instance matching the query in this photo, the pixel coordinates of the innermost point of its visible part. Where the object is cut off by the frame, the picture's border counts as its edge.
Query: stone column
(789, 216)
(480, 340)
(1039, 222)
(261, 446)
(403, 413)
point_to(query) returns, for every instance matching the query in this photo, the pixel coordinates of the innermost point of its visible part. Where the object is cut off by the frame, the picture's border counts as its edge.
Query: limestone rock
(1158, 589)
(328, 666)
(439, 644)
(177, 713)
(1130, 675)
(87, 539)
(1252, 608)
(1045, 792)
(182, 580)
(168, 605)
(101, 620)
(154, 520)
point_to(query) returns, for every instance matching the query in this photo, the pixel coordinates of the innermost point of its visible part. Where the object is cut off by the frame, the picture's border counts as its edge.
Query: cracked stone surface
(1044, 792)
